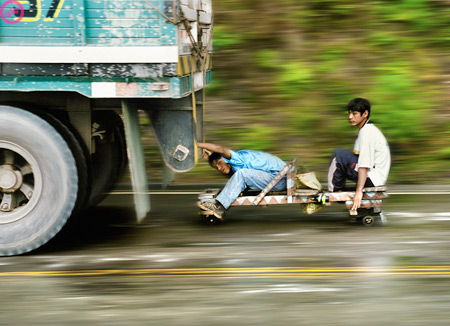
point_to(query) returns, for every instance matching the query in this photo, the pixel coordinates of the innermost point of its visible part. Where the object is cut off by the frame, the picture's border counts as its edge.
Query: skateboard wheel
(210, 220)
(368, 220)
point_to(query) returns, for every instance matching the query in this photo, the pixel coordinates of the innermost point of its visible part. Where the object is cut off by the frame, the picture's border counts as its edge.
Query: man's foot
(215, 209)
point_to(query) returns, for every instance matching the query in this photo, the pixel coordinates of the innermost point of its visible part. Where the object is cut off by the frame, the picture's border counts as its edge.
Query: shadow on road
(95, 226)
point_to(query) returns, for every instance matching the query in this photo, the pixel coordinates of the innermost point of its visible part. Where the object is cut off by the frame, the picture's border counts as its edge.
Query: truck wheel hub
(10, 179)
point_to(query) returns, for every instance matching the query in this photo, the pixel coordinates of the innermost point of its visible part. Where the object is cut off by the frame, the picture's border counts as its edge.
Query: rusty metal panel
(347, 195)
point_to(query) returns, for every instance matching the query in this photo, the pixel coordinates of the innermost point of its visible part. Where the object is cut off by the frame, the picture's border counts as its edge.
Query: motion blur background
(284, 71)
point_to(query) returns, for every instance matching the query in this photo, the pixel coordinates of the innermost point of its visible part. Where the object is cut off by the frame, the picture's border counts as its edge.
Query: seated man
(247, 168)
(370, 161)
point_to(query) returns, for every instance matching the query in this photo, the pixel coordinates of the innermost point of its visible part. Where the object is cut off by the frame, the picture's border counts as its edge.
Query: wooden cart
(370, 212)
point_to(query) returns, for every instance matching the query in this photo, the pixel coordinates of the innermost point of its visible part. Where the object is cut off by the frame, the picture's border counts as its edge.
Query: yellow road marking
(260, 272)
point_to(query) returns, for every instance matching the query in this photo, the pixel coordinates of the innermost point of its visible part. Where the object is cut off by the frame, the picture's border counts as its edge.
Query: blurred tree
(289, 68)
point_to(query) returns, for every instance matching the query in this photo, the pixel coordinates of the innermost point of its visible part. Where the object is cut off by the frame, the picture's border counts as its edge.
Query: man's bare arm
(362, 177)
(216, 148)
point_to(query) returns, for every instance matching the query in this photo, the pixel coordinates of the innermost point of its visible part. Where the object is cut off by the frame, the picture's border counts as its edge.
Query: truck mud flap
(177, 124)
(136, 159)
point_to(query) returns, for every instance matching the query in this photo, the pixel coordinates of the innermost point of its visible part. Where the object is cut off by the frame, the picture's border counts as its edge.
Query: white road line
(420, 193)
(158, 192)
(199, 192)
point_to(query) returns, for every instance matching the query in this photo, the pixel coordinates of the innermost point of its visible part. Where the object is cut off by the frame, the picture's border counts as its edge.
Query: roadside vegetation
(283, 72)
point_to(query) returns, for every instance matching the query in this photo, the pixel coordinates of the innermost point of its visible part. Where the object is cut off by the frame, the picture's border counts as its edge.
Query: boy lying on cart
(246, 168)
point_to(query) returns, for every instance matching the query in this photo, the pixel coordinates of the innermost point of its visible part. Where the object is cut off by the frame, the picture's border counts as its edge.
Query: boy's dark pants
(342, 167)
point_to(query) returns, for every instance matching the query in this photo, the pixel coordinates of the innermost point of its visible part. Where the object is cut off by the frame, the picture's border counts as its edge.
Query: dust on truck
(73, 75)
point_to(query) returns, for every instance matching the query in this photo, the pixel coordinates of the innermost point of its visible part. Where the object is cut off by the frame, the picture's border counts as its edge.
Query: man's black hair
(359, 104)
(214, 157)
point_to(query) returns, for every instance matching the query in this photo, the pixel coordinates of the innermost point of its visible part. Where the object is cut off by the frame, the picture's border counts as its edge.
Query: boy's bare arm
(362, 177)
(216, 148)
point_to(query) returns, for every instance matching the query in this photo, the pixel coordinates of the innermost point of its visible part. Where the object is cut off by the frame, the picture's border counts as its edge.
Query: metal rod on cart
(272, 183)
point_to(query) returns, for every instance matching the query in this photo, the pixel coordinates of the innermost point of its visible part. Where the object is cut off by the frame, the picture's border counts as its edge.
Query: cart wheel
(368, 220)
(210, 220)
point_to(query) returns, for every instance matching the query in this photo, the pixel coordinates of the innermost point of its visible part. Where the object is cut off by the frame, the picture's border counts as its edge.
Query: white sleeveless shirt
(374, 153)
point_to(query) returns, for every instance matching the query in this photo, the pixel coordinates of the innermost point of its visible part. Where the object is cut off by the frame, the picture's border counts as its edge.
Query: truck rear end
(73, 75)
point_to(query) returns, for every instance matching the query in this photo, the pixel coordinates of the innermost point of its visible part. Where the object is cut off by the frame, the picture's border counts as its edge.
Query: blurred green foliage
(290, 67)
(284, 71)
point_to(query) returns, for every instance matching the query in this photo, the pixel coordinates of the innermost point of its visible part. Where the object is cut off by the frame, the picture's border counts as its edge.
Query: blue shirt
(248, 159)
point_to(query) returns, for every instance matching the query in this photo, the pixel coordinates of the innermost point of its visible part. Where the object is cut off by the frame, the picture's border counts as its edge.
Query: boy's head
(217, 162)
(360, 105)
(358, 112)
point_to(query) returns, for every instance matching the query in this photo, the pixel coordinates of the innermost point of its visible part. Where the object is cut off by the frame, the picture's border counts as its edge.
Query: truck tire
(38, 181)
(78, 153)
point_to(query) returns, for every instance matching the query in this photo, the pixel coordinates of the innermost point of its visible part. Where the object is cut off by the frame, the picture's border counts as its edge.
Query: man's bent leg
(258, 180)
(342, 167)
(254, 179)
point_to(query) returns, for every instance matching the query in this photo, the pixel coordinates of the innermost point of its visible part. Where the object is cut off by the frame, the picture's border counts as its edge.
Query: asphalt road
(264, 266)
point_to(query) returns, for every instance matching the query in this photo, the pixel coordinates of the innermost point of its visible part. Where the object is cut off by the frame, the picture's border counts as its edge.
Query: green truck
(73, 76)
